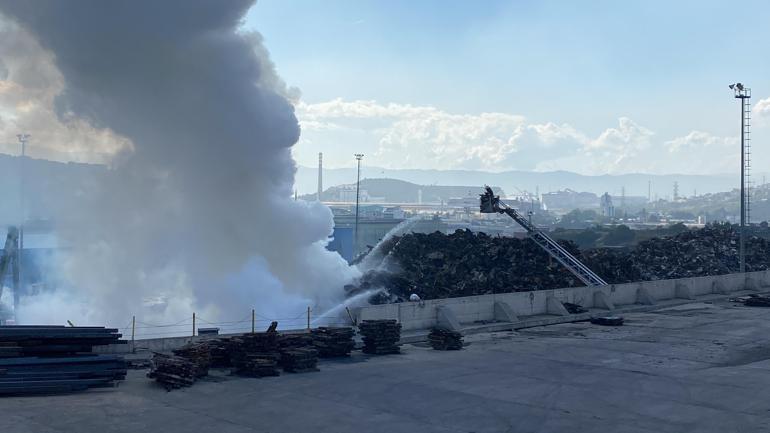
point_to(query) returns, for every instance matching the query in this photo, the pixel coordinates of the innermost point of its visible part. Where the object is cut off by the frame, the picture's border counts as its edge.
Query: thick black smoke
(199, 212)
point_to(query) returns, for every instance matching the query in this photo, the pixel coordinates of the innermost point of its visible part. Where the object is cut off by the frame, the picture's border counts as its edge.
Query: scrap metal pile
(49, 359)
(173, 372)
(444, 339)
(465, 263)
(380, 336)
(333, 342)
(258, 354)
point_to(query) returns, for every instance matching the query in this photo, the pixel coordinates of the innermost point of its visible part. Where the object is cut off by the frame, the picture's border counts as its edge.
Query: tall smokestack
(320, 174)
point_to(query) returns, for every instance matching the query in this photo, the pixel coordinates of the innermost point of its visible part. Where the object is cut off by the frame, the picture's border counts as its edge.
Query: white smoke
(198, 215)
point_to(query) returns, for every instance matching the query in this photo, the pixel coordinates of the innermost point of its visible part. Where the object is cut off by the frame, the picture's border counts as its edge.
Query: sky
(600, 87)
(591, 87)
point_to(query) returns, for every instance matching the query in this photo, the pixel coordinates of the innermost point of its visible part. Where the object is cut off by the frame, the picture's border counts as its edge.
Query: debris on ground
(380, 336)
(574, 308)
(444, 339)
(757, 301)
(333, 342)
(219, 350)
(607, 320)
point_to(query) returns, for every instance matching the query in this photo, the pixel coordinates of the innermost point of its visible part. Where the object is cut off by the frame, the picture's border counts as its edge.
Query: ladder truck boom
(492, 204)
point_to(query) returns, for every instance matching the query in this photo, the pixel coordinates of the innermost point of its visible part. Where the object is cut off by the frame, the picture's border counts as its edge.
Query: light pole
(23, 138)
(744, 94)
(359, 157)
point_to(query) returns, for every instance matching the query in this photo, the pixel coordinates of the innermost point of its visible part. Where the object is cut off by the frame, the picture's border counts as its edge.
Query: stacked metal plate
(51, 359)
(444, 339)
(333, 342)
(380, 336)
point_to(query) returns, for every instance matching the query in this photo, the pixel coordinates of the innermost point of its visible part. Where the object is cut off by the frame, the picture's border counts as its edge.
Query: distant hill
(512, 181)
(399, 191)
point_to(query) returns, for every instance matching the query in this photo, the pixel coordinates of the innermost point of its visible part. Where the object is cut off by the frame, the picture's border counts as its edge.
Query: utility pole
(23, 138)
(744, 94)
(359, 157)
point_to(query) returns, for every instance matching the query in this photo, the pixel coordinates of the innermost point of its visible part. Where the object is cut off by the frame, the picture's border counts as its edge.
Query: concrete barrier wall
(422, 315)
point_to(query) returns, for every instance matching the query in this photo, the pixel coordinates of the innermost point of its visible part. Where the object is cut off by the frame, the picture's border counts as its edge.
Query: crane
(490, 203)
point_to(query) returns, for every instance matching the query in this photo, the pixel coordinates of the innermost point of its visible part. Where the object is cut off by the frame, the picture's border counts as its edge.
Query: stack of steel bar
(199, 354)
(444, 339)
(294, 341)
(257, 365)
(49, 359)
(380, 336)
(301, 360)
(333, 342)
(220, 352)
(255, 354)
(172, 371)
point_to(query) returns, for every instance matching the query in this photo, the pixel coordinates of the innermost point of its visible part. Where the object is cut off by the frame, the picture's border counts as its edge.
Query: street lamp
(359, 157)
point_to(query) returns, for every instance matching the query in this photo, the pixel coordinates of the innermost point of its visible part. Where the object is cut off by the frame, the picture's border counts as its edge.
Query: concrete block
(644, 297)
(601, 300)
(682, 291)
(720, 288)
(554, 306)
(751, 284)
(504, 313)
(446, 319)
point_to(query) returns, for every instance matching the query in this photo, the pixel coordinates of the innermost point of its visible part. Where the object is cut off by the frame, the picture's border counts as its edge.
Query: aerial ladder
(490, 203)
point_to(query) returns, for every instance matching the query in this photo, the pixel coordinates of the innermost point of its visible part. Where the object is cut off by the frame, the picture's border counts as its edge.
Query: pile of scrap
(300, 360)
(172, 372)
(255, 354)
(333, 342)
(51, 359)
(256, 365)
(294, 341)
(607, 320)
(752, 300)
(219, 351)
(199, 354)
(380, 336)
(444, 339)
(465, 263)
(712, 250)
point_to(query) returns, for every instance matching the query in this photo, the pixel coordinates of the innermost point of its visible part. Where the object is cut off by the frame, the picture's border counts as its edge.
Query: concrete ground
(700, 367)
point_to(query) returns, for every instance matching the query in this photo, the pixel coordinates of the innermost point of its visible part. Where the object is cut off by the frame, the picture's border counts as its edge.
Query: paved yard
(699, 367)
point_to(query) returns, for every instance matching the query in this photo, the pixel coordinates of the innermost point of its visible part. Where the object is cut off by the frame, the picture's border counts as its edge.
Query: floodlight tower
(744, 94)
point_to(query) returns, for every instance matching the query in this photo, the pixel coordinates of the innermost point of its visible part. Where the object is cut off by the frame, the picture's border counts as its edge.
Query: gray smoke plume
(199, 213)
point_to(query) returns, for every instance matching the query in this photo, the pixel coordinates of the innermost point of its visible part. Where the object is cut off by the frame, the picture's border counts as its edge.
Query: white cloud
(409, 136)
(762, 109)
